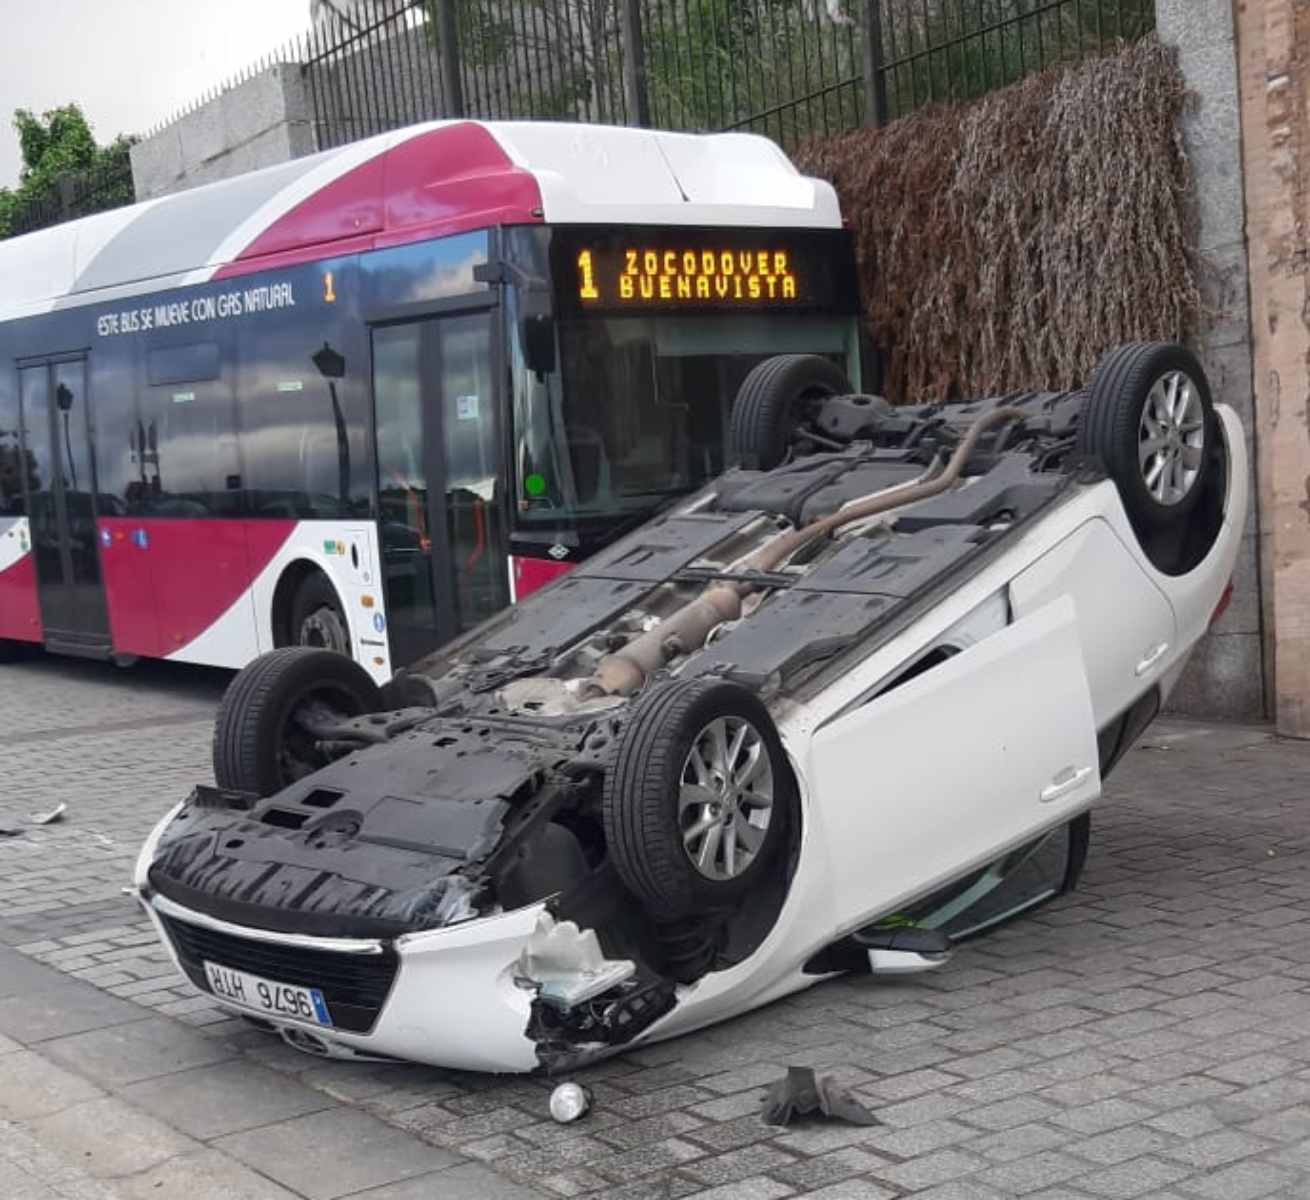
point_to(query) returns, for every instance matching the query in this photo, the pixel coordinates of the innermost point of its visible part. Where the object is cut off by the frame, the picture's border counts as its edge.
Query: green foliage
(783, 68)
(59, 146)
(538, 58)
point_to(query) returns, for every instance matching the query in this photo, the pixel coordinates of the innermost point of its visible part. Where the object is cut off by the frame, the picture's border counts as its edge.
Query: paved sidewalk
(1147, 1037)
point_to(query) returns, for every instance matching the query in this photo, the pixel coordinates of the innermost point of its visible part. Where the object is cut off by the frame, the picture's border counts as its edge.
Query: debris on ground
(569, 1101)
(49, 818)
(801, 1093)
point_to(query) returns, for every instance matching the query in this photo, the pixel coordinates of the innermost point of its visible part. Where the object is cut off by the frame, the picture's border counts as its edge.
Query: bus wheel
(316, 617)
(264, 734)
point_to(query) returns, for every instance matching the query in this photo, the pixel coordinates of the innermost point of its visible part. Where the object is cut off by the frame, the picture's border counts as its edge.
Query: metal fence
(75, 194)
(791, 69)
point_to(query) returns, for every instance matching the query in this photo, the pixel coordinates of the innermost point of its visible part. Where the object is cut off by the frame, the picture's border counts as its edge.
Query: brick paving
(1146, 1037)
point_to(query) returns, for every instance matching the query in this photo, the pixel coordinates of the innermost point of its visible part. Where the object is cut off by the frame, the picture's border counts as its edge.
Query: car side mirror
(903, 951)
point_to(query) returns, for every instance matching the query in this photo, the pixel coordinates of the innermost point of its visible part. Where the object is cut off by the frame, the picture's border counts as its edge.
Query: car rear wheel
(698, 801)
(774, 398)
(262, 735)
(1150, 420)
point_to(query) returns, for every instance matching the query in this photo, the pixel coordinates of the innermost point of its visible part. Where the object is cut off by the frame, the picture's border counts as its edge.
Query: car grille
(355, 986)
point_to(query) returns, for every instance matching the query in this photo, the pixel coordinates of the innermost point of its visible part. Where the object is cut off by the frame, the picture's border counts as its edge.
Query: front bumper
(446, 997)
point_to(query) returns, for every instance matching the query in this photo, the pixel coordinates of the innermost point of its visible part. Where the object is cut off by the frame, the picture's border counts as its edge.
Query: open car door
(955, 767)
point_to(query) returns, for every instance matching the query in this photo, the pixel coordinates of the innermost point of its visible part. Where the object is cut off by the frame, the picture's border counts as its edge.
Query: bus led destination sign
(641, 269)
(694, 276)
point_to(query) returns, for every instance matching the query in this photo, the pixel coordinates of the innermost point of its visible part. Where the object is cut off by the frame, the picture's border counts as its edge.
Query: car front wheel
(698, 801)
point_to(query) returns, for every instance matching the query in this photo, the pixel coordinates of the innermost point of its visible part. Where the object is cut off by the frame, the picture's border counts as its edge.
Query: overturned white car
(846, 705)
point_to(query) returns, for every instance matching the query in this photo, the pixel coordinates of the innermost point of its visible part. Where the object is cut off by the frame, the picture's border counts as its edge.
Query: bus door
(56, 432)
(441, 478)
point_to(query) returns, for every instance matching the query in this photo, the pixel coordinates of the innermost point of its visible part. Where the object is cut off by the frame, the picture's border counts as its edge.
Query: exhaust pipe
(624, 671)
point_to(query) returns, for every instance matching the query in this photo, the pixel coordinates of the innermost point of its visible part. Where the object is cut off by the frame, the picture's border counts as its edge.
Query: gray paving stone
(143, 1049)
(1130, 1180)
(32, 1086)
(737, 1164)
(1190, 1122)
(60, 1008)
(208, 1102)
(1009, 1113)
(1027, 1175)
(1119, 1145)
(110, 1138)
(1019, 1142)
(763, 1188)
(961, 1189)
(929, 1170)
(331, 1154)
(203, 1175)
(469, 1181)
(1291, 1125)
(850, 1189)
(1246, 1181)
(833, 1167)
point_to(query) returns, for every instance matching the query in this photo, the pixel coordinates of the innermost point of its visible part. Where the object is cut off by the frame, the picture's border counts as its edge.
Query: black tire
(10, 651)
(254, 738)
(1112, 427)
(772, 400)
(641, 798)
(317, 619)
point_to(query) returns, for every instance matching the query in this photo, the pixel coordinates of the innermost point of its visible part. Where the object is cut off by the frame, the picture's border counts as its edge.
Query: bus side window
(182, 450)
(12, 461)
(303, 412)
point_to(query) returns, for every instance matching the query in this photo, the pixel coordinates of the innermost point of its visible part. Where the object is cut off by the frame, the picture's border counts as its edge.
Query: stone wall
(258, 123)
(1226, 677)
(1274, 44)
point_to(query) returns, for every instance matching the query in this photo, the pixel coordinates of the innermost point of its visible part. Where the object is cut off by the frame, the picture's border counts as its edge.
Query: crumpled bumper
(450, 999)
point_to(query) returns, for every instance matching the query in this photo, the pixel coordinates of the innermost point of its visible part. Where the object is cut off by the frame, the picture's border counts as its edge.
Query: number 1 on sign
(587, 278)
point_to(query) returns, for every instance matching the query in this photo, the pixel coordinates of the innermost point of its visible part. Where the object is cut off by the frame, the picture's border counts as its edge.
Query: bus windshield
(637, 410)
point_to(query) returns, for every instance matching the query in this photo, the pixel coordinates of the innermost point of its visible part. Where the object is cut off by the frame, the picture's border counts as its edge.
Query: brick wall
(1274, 64)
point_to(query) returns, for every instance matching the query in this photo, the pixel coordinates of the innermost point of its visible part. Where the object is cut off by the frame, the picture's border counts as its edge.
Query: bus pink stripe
(443, 181)
(20, 615)
(168, 580)
(533, 573)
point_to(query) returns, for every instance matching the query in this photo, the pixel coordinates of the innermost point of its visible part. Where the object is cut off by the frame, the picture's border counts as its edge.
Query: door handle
(1153, 656)
(1067, 781)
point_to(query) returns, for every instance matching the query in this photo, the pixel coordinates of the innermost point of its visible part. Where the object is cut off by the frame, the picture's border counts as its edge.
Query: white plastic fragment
(566, 964)
(49, 818)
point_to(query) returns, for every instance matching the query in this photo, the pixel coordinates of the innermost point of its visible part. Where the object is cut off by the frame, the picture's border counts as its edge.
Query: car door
(955, 766)
(1125, 623)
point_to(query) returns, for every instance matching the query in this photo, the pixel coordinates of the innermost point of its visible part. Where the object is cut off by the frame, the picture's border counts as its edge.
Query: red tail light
(1222, 607)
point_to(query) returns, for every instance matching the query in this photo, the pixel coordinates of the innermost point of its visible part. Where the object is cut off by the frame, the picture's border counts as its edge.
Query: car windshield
(637, 410)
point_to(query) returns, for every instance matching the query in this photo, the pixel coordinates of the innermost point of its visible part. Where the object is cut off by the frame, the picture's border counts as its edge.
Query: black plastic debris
(801, 1093)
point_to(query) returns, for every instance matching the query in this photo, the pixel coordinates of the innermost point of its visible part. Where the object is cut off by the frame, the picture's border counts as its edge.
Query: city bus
(366, 398)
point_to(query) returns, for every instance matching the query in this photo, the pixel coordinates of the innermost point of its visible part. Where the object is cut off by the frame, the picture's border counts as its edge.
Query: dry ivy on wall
(1008, 243)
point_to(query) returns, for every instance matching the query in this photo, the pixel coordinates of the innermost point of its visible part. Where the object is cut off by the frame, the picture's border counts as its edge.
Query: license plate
(266, 995)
